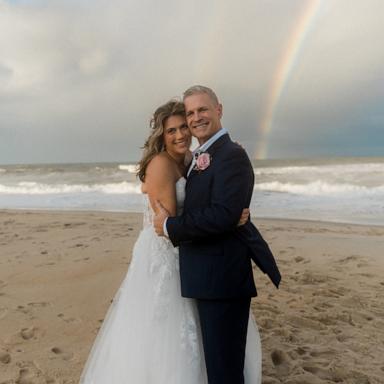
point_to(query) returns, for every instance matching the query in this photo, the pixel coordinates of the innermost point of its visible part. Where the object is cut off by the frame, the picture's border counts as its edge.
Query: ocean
(349, 190)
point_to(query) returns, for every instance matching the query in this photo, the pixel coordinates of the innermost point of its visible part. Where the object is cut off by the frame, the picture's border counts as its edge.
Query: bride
(151, 334)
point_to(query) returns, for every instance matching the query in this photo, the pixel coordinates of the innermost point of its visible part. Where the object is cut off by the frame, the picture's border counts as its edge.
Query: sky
(79, 80)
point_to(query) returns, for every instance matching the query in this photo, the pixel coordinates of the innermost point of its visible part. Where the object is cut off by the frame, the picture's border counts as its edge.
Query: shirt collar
(209, 142)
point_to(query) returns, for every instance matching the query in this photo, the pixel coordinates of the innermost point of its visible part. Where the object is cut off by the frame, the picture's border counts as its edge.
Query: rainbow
(283, 72)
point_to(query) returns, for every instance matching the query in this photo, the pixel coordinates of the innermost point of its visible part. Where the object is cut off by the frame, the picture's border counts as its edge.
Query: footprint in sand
(64, 355)
(299, 259)
(68, 319)
(5, 357)
(25, 376)
(29, 333)
(281, 361)
(30, 374)
(23, 309)
(342, 338)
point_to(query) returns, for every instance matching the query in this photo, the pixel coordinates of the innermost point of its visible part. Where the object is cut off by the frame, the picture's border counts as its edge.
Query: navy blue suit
(215, 256)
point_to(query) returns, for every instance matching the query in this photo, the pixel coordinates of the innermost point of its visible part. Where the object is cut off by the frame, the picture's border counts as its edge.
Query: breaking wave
(33, 188)
(319, 188)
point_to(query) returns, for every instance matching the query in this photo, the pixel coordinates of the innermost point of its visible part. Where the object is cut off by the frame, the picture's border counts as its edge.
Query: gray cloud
(79, 80)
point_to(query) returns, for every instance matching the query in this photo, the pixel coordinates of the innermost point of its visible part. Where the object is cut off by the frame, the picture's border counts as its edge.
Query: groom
(215, 254)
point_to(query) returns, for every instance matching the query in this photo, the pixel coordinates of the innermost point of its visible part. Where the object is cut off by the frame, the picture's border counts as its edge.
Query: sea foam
(34, 188)
(319, 187)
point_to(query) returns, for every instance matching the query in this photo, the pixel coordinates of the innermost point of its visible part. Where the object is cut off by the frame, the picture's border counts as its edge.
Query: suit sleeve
(232, 182)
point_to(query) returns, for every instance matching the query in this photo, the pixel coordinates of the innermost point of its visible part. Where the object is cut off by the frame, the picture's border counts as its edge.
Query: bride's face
(177, 137)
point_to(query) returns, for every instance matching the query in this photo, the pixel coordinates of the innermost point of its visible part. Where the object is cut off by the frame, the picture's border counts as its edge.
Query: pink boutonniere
(203, 161)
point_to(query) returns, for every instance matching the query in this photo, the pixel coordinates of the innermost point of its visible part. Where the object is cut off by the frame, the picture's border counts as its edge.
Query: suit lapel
(211, 150)
(218, 143)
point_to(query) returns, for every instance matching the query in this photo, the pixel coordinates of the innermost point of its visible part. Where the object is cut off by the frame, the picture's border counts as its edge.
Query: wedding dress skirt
(150, 334)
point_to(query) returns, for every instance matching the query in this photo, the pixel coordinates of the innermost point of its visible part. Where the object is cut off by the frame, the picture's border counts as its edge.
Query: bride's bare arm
(160, 180)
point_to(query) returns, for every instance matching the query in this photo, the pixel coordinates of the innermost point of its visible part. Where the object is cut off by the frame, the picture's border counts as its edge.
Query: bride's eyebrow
(172, 129)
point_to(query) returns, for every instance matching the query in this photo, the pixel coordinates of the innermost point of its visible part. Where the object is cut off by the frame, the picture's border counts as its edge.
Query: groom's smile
(200, 125)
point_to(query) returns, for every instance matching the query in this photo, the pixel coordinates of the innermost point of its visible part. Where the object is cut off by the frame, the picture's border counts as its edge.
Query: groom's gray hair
(195, 89)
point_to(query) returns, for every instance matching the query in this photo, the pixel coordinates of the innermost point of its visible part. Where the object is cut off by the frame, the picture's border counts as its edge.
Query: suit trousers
(224, 325)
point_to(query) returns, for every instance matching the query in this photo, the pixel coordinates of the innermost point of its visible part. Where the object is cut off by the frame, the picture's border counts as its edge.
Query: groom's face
(203, 116)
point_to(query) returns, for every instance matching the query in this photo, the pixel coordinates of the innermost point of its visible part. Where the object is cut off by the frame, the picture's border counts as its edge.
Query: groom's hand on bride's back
(244, 217)
(159, 218)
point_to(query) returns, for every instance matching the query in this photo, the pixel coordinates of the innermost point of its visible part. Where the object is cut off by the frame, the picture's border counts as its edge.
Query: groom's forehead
(196, 100)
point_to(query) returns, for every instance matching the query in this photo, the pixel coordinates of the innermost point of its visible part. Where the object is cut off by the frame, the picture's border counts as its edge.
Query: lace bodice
(180, 196)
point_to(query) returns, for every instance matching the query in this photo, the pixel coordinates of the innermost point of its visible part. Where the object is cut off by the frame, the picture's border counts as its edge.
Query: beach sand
(59, 272)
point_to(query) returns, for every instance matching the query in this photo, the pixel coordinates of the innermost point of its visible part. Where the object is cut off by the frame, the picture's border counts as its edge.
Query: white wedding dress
(151, 334)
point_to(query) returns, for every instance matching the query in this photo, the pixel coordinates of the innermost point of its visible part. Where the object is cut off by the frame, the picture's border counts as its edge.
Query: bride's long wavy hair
(155, 141)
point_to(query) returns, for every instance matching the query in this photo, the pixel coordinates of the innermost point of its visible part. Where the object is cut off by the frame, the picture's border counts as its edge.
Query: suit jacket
(215, 254)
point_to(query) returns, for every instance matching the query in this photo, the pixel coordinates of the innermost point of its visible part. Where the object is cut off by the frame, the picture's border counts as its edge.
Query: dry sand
(60, 270)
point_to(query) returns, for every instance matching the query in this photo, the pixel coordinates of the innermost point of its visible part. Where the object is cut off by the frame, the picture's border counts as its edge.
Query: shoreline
(254, 218)
(59, 271)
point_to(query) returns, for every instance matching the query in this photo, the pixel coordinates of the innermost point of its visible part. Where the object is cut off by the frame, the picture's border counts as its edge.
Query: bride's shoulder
(161, 165)
(160, 160)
